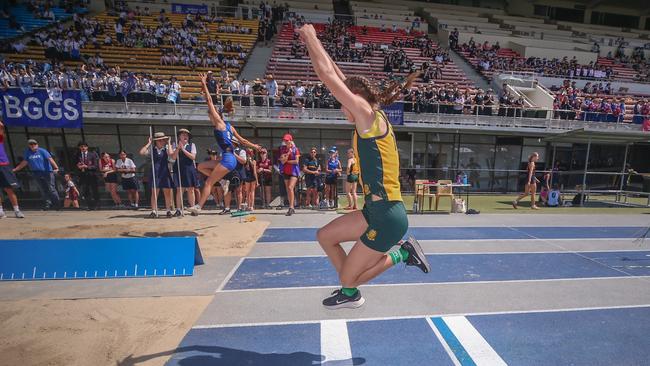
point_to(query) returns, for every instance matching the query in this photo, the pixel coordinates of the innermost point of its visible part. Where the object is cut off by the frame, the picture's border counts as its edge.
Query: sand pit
(111, 331)
(95, 332)
(218, 235)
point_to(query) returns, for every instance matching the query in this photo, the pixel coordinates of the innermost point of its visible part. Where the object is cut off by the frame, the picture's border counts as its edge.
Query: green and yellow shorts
(387, 224)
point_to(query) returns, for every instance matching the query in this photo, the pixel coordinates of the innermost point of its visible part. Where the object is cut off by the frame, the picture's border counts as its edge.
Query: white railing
(469, 117)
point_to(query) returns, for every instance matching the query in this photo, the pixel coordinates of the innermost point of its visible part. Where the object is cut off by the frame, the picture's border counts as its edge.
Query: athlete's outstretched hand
(204, 78)
(307, 32)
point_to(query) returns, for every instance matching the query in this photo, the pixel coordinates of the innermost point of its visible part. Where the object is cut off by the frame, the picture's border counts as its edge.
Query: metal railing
(262, 107)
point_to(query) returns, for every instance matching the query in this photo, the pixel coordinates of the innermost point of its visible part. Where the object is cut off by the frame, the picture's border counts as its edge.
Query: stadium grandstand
(493, 81)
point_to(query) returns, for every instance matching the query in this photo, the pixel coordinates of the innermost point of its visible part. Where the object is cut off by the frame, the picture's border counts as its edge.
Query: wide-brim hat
(184, 130)
(159, 136)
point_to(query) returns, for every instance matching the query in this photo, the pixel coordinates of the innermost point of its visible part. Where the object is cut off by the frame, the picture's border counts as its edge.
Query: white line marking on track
(507, 312)
(559, 251)
(476, 346)
(444, 283)
(443, 342)
(230, 274)
(335, 342)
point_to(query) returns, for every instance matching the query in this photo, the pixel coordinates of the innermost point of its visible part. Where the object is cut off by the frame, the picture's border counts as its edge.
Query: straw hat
(159, 136)
(184, 130)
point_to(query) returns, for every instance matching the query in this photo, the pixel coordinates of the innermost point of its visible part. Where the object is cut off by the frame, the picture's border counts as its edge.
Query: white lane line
(335, 342)
(443, 342)
(560, 250)
(443, 283)
(476, 346)
(506, 312)
(230, 274)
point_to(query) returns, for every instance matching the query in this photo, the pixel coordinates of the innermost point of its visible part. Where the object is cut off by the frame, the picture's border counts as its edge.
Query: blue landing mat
(46, 259)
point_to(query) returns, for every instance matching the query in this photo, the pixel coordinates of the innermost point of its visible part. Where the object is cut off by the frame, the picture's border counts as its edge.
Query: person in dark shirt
(88, 164)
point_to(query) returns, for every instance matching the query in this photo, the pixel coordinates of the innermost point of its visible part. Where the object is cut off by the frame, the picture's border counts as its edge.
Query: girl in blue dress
(224, 133)
(160, 173)
(185, 175)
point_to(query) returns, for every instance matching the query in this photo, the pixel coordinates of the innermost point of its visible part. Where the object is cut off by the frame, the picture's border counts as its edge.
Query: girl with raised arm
(382, 223)
(224, 133)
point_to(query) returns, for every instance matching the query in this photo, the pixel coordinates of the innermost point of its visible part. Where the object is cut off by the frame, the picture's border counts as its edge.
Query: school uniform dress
(163, 176)
(186, 169)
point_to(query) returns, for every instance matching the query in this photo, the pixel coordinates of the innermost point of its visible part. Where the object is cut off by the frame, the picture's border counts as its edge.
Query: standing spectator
(8, 181)
(185, 156)
(109, 172)
(311, 167)
(271, 89)
(119, 31)
(71, 193)
(265, 174)
(43, 167)
(290, 169)
(245, 92)
(126, 167)
(250, 183)
(88, 164)
(159, 177)
(352, 181)
(258, 91)
(174, 94)
(332, 172)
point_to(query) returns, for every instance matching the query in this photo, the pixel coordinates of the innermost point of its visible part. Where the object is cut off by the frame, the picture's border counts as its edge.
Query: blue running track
(259, 273)
(282, 235)
(601, 337)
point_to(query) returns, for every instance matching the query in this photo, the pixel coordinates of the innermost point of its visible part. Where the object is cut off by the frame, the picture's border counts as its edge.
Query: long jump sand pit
(110, 330)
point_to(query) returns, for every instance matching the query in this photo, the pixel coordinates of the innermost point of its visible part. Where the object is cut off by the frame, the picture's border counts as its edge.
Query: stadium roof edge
(600, 137)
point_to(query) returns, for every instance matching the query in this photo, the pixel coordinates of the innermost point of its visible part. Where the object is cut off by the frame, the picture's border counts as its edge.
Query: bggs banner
(395, 113)
(189, 9)
(40, 109)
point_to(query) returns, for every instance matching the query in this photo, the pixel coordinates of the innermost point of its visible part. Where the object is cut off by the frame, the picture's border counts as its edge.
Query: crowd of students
(170, 170)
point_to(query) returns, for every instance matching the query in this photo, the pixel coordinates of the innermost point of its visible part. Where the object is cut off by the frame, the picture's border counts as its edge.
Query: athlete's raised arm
(215, 118)
(327, 72)
(243, 141)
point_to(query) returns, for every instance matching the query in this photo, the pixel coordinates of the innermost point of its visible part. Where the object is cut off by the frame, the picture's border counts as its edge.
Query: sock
(349, 291)
(16, 208)
(1, 209)
(400, 255)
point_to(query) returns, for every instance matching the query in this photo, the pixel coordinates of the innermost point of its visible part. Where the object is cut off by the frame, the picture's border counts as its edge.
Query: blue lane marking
(396, 342)
(279, 235)
(276, 345)
(580, 338)
(256, 273)
(453, 342)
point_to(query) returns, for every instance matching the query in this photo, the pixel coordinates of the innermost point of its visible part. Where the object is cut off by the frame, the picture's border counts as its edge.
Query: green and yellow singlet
(378, 160)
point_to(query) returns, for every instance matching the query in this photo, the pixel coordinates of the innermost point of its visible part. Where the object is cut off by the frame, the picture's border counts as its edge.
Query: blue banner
(395, 113)
(189, 9)
(38, 109)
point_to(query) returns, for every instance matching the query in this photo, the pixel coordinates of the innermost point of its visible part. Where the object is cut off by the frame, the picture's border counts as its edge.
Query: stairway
(473, 75)
(259, 58)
